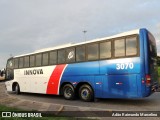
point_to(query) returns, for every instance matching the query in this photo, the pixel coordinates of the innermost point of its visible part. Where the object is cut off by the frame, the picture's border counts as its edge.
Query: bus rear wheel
(17, 89)
(68, 92)
(86, 93)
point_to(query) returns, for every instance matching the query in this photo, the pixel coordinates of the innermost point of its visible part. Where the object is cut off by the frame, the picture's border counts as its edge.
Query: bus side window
(80, 53)
(70, 55)
(119, 46)
(16, 63)
(26, 61)
(21, 62)
(32, 60)
(131, 46)
(61, 56)
(105, 50)
(38, 60)
(53, 57)
(93, 51)
(45, 59)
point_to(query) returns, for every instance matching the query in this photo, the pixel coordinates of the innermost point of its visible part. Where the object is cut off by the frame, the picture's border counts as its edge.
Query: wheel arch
(13, 85)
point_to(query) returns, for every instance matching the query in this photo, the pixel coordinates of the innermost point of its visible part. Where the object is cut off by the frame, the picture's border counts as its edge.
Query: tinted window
(61, 56)
(80, 53)
(70, 55)
(45, 59)
(10, 63)
(32, 61)
(93, 51)
(152, 45)
(21, 62)
(38, 59)
(105, 50)
(53, 57)
(16, 63)
(119, 46)
(131, 46)
(26, 61)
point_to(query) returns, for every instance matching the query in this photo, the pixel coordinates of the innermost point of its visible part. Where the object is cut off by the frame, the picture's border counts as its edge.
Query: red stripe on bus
(54, 81)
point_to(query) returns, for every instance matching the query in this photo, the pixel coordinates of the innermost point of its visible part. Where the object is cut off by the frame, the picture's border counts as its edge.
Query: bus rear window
(152, 45)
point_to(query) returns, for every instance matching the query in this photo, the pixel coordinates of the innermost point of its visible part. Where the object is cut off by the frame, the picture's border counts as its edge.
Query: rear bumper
(154, 88)
(151, 89)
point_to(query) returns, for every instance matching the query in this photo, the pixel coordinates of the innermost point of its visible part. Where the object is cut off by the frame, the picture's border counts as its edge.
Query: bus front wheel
(17, 89)
(86, 93)
(68, 92)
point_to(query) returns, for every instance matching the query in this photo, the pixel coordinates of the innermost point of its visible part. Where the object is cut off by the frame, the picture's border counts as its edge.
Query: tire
(17, 89)
(68, 92)
(86, 93)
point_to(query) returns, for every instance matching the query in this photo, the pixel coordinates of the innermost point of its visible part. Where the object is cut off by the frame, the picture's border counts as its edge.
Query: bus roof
(136, 31)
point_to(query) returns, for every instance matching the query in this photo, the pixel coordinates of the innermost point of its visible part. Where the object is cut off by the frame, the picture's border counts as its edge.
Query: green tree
(158, 60)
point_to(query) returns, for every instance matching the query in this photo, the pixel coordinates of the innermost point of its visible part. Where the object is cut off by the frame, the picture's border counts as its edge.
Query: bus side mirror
(2, 73)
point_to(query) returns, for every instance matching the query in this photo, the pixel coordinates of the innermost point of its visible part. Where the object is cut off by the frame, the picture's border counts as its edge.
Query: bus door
(9, 70)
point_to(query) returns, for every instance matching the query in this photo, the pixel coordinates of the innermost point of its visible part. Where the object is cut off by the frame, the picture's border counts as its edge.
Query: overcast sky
(29, 25)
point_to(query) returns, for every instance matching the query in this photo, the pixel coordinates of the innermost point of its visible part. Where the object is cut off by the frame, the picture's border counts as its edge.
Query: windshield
(9, 70)
(10, 63)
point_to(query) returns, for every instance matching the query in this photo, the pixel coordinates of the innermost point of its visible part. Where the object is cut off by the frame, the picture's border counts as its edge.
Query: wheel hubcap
(85, 93)
(68, 92)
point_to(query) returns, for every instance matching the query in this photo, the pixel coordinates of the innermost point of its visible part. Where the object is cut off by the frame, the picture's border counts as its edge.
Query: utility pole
(84, 31)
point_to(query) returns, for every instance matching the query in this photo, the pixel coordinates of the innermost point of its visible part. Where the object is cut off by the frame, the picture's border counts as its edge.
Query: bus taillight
(148, 80)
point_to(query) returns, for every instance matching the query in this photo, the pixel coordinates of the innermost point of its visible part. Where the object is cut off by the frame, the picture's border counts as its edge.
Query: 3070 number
(122, 66)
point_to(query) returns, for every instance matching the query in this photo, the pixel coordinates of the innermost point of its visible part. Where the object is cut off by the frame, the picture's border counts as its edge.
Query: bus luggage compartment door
(99, 84)
(122, 86)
